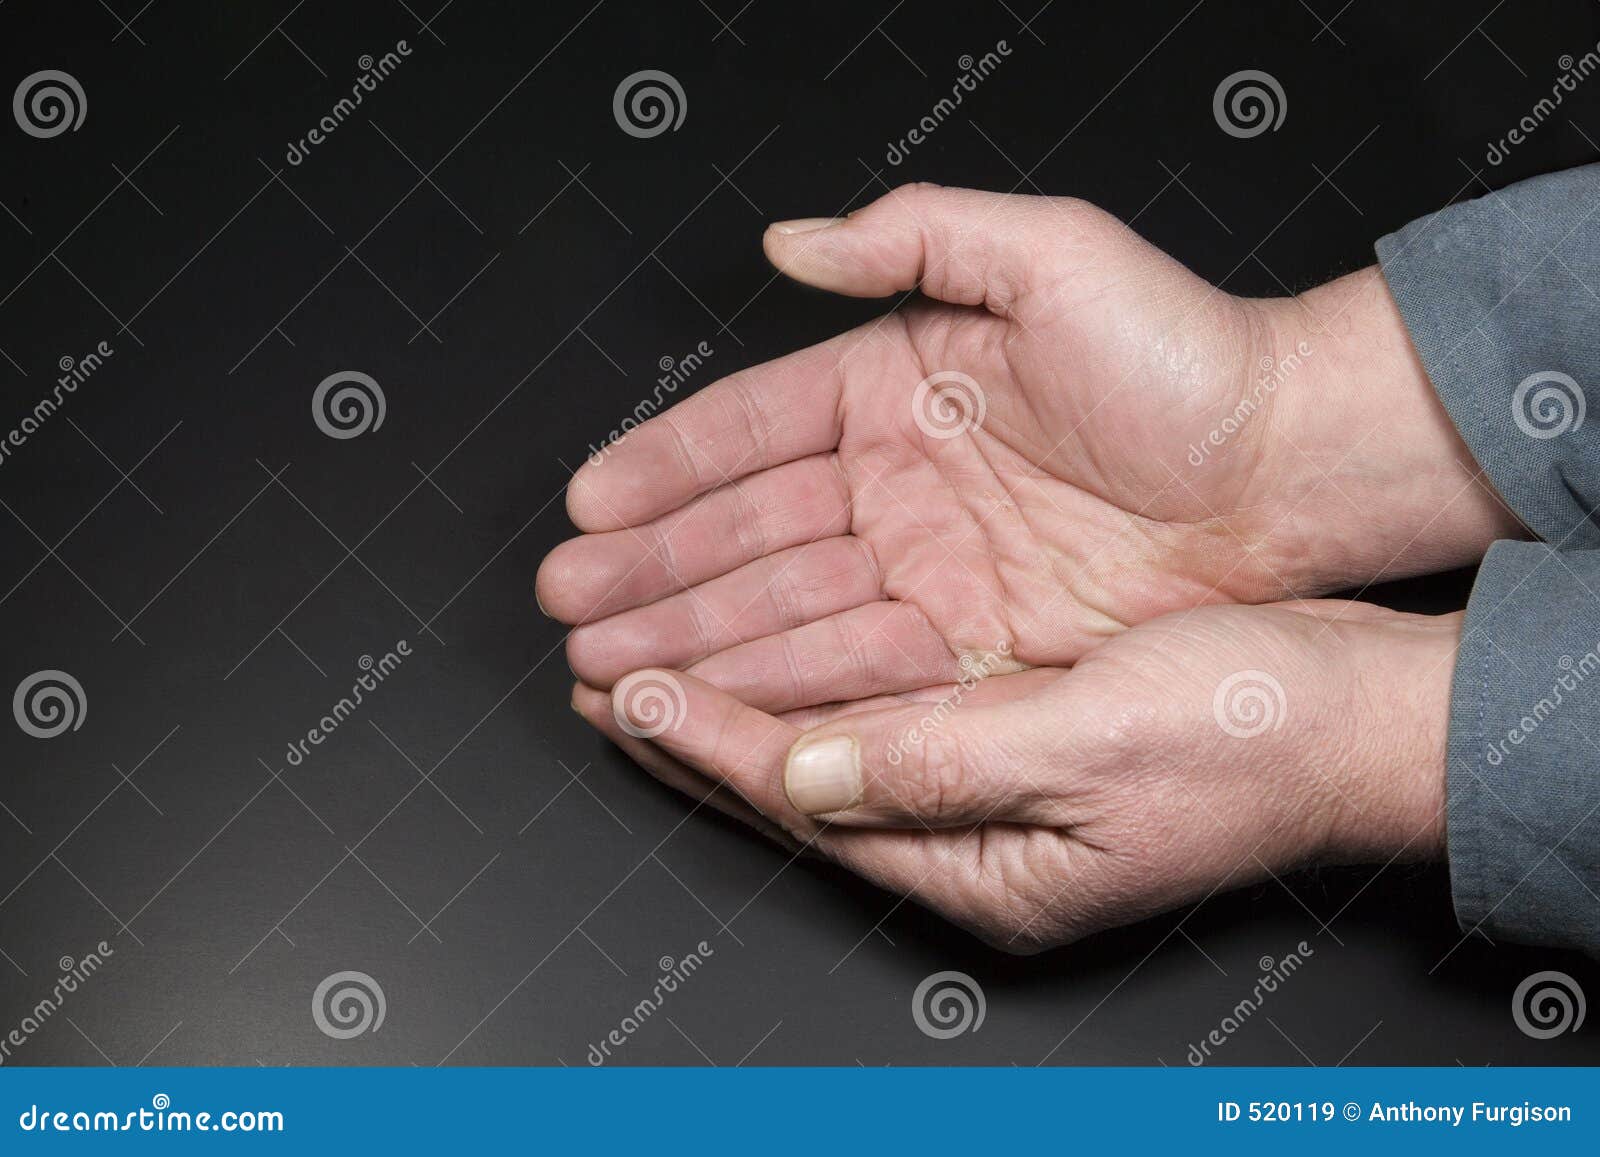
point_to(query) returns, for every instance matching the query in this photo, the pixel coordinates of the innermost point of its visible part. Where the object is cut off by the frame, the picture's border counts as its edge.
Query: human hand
(801, 532)
(1194, 753)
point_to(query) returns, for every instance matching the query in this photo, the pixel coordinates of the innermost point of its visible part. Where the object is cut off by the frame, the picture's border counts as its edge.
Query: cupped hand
(1200, 751)
(1076, 434)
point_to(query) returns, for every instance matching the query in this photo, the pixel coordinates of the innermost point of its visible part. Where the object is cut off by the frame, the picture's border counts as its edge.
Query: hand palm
(843, 546)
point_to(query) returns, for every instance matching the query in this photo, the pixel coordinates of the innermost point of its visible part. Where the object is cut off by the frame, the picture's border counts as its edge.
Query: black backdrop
(481, 238)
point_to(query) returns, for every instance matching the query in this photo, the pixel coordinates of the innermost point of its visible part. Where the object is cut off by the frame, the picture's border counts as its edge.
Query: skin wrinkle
(996, 570)
(750, 530)
(680, 445)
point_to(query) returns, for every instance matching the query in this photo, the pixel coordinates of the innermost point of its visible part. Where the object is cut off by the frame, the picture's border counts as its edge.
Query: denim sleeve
(1501, 296)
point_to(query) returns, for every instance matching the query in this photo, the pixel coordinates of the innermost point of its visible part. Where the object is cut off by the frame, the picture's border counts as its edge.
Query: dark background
(184, 540)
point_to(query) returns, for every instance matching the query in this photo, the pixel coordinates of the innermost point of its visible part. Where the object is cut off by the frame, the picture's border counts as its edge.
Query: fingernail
(824, 776)
(804, 224)
(540, 605)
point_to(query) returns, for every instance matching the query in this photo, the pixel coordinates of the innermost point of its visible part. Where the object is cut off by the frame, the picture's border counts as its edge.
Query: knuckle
(859, 649)
(1123, 734)
(702, 634)
(1083, 214)
(745, 519)
(936, 776)
(915, 191)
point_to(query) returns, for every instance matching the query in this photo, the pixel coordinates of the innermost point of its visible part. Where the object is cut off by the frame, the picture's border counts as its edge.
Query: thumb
(924, 764)
(961, 245)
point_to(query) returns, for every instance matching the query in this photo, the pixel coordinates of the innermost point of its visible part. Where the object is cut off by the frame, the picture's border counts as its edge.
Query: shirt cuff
(1495, 293)
(1524, 793)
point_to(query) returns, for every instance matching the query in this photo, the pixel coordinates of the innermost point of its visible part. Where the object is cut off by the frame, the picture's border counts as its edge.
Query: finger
(715, 734)
(805, 718)
(596, 575)
(752, 420)
(595, 708)
(765, 597)
(708, 730)
(881, 648)
(732, 744)
(961, 245)
(951, 764)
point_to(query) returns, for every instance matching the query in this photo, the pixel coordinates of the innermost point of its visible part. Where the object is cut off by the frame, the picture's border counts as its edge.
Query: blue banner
(804, 1111)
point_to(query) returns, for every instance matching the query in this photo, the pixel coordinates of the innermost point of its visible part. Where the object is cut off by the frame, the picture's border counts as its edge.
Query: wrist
(1369, 478)
(1388, 778)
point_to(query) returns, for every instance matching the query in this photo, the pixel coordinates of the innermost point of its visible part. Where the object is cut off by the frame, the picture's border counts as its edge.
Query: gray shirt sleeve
(1501, 296)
